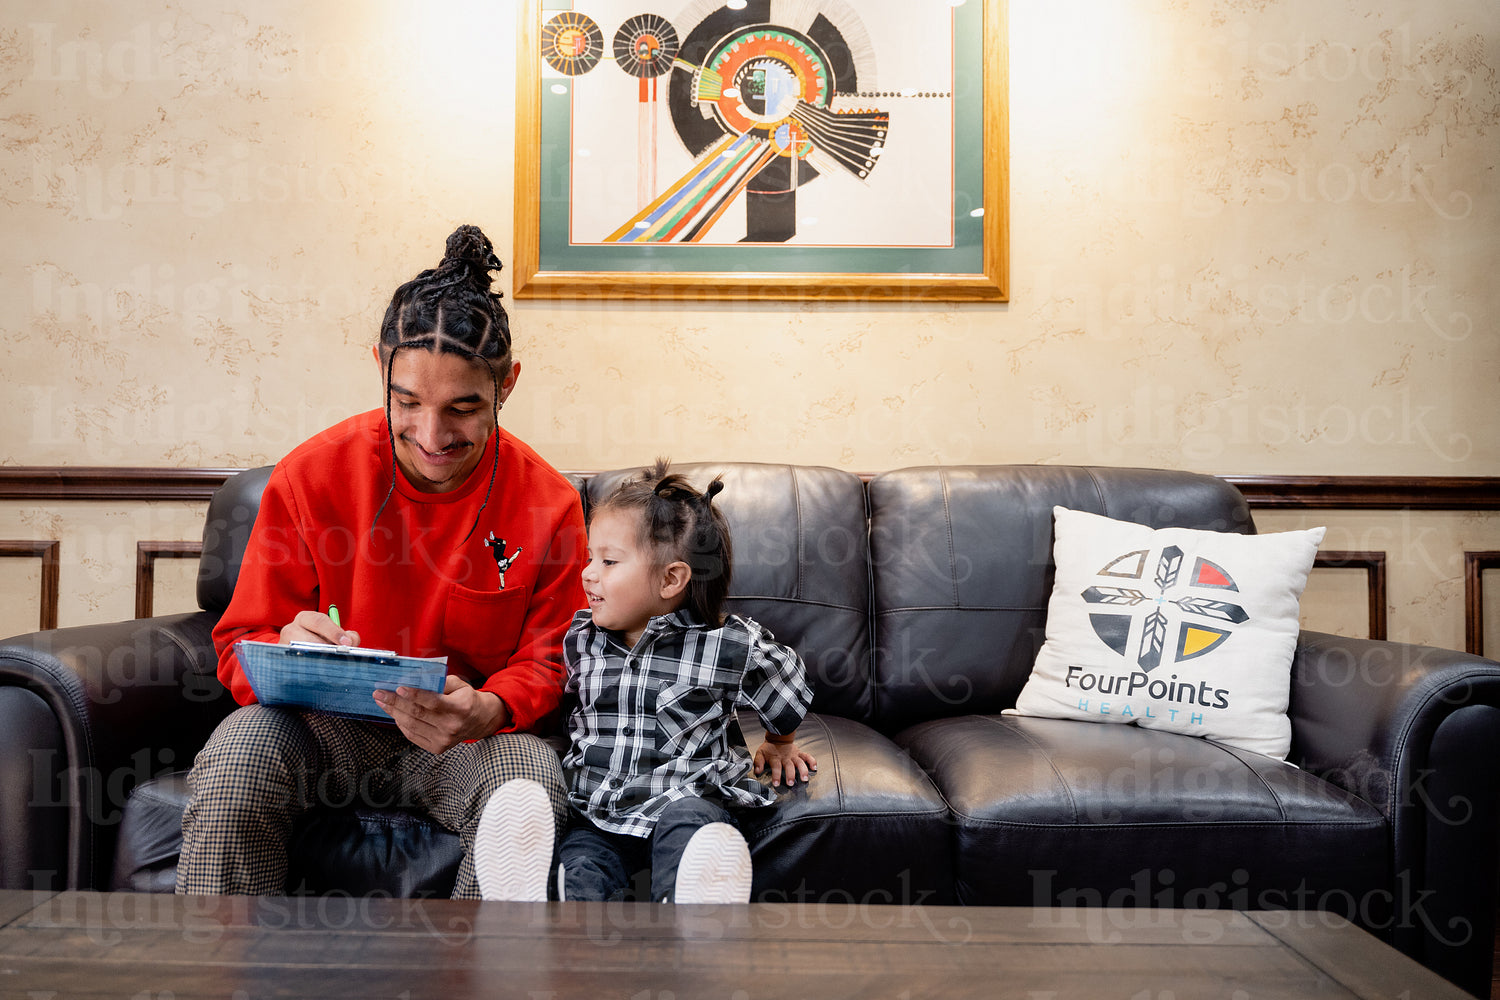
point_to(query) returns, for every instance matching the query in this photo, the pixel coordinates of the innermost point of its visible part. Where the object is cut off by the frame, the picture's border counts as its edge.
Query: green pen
(333, 613)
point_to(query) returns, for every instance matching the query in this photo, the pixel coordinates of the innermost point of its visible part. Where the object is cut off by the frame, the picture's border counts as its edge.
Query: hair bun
(469, 244)
(714, 489)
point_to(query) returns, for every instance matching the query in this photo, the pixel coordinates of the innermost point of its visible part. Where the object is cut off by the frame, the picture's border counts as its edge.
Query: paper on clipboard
(339, 680)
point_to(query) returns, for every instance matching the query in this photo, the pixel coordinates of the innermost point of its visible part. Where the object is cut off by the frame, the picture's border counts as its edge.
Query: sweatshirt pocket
(482, 628)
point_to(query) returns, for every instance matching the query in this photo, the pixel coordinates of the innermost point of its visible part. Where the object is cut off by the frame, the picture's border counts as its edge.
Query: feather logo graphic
(1196, 602)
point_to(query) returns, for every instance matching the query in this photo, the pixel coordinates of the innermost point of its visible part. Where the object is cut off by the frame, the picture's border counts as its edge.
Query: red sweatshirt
(417, 585)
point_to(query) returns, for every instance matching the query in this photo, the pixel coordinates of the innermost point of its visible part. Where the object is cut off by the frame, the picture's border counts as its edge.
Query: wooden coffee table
(155, 947)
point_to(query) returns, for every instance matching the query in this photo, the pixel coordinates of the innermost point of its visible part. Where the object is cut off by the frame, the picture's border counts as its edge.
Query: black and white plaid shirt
(652, 724)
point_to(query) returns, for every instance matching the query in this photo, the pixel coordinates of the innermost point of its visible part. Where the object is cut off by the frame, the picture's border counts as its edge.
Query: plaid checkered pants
(263, 767)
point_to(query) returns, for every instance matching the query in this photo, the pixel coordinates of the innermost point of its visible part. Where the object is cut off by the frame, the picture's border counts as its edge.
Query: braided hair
(450, 309)
(680, 524)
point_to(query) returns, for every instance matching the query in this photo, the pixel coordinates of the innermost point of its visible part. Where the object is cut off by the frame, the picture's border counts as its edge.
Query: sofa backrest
(919, 595)
(226, 530)
(962, 569)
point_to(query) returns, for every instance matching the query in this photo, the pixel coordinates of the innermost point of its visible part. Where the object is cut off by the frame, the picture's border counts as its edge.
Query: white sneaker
(513, 844)
(715, 867)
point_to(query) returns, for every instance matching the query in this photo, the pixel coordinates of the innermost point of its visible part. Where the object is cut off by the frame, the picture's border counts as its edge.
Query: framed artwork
(762, 149)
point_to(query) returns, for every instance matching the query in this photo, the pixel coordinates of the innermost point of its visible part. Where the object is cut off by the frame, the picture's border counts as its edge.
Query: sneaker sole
(715, 867)
(513, 843)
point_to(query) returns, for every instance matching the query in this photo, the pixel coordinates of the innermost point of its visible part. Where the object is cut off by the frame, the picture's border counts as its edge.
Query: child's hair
(679, 523)
(450, 309)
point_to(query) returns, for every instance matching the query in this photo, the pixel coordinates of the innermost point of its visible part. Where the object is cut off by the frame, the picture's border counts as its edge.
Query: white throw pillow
(1172, 628)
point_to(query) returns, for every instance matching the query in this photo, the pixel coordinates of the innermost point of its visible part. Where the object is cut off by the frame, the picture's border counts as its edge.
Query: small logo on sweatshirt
(503, 562)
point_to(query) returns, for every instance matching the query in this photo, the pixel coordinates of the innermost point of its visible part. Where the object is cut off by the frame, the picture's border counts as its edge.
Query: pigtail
(708, 540)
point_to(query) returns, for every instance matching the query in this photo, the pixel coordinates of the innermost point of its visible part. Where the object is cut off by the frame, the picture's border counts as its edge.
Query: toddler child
(656, 763)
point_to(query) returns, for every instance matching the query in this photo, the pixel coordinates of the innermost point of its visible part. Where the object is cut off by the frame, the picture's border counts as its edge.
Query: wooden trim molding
(1373, 563)
(1371, 492)
(146, 554)
(48, 552)
(61, 482)
(1475, 563)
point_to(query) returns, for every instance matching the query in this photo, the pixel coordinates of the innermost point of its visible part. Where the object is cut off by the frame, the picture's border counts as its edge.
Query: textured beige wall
(1248, 236)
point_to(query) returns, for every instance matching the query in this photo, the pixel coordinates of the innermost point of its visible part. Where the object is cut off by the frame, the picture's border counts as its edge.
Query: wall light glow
(1075, 62)
(448, 49)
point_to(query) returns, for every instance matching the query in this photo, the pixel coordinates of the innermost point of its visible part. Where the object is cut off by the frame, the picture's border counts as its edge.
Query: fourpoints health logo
(1196, 604)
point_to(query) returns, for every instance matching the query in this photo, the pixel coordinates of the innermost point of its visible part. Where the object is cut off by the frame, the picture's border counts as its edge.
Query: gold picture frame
(550, 263)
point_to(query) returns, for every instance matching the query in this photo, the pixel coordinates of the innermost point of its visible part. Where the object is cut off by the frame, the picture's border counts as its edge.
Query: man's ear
(674, 580)
(508, 383)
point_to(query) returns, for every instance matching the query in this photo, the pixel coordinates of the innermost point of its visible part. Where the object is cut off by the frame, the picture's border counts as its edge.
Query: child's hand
(784, 760)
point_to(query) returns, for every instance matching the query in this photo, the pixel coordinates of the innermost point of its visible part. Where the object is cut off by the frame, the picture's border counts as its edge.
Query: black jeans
(598, 864)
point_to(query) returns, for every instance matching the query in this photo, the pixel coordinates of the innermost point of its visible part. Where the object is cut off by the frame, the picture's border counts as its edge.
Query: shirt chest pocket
(688, 715)
(482, 628)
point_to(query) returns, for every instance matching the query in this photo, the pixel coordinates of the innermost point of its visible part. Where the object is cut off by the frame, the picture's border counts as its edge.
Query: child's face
(621, 580)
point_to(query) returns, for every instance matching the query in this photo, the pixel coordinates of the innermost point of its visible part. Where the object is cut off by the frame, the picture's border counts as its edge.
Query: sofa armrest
(1415, 731)
(1365, 712)
(92, 711)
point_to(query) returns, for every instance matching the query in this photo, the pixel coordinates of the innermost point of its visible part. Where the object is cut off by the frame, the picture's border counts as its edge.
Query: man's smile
(447, 456)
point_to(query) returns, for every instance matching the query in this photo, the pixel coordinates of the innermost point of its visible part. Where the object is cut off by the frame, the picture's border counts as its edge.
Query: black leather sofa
(918, 600)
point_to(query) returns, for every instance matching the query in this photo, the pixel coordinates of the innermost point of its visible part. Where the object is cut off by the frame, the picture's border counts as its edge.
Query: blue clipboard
(339, 680)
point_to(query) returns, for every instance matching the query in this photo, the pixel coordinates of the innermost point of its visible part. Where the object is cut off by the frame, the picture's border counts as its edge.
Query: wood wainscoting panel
(1475, 563)
(47, 552)
(1373, 563)
(146, 554)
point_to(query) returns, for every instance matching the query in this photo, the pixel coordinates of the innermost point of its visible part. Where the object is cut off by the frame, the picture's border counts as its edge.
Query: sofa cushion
(356, 852)
(151, 836)
(801, 566)
(870, 827)
(961, 558)
(1057, 812)
(1173, 628)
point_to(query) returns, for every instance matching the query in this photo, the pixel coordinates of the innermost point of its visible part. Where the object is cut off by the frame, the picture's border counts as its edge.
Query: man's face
(442, 416)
